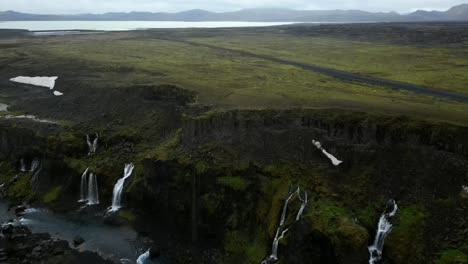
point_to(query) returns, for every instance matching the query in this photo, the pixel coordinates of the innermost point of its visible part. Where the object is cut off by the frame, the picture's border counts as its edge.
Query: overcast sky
(102, 6)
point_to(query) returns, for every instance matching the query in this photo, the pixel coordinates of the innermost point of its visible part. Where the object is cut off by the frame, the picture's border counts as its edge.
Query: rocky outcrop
(19, 245)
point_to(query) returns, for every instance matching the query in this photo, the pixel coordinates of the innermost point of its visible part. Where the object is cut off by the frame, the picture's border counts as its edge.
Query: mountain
(456, 13)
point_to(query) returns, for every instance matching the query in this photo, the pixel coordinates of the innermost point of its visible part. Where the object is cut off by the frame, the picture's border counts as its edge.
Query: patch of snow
(31, 117)
(57, 93)
(3, 107)
(465, 189)
(48, 82)
(332, 158)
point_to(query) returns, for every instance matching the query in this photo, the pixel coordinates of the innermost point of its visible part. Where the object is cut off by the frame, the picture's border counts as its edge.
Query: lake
(127, 25)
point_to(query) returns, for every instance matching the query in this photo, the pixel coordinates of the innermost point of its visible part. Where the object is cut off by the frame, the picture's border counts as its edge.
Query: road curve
(343, 75)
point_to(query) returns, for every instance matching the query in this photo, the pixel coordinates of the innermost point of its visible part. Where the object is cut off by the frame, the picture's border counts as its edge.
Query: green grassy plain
(230, 80)
(436, 67)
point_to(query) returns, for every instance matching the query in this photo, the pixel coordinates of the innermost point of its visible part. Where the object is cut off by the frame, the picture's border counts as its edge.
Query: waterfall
(89, 191)
(332, 158)
(35, 178)
(92, 146)
(117, 193)
(143, 258)
(84, 186)
(34, 165)
(281, 231)
(383, 229)
(303, 205)
(22, 165)
(93, 194)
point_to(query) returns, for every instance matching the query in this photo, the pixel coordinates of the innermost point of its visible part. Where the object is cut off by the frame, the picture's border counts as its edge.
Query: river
(116, 243)
(127, 25)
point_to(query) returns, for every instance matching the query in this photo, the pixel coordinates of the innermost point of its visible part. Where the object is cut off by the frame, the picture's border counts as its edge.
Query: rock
(155, 252)
(78, 240)
(7, 230)
(37, 249)
(305, 243)
(19, 210)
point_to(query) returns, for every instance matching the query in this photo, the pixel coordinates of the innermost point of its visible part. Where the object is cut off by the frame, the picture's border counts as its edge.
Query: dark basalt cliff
(217, 184)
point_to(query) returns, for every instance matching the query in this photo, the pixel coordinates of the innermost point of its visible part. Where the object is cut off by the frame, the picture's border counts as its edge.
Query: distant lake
(126, 25)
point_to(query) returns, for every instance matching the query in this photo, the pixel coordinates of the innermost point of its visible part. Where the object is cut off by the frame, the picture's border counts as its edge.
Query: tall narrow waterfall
(92, 146)
(117, 193)
(282, 230)
(22, 165)
(84, 186)
(93, 192)
(383, 229)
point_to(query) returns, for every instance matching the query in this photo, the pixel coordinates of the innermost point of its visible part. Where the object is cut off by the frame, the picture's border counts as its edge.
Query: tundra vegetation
(219, 138)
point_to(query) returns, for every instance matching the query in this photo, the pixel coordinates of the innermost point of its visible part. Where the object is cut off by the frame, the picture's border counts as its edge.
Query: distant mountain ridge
(456, 13)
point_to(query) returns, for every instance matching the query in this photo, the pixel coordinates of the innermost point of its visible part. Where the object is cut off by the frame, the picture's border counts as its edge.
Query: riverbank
(19, 245)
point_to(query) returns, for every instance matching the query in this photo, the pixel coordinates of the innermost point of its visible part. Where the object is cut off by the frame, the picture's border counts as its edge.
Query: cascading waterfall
(383, 229)
(332, 158)
(117, 193)
(89, 191)
(84, 186)
(92, 146)
(281, 230)
(93, 192)
(34, 165)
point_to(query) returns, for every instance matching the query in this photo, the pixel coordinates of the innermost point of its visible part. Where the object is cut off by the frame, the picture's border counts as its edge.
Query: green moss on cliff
(127, 215)
(52, 195)
(453, 256)
(405, 243)
(21, 189)
(234, 183)
(6, 172)
(336, 222)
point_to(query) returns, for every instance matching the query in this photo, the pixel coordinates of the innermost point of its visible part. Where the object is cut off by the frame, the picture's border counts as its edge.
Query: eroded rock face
(306, 245)
(225, 187)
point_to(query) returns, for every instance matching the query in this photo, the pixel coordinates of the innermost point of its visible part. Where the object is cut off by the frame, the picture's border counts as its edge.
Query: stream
(117, 243)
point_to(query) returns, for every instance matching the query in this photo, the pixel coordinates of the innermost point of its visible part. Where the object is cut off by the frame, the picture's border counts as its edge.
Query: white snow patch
(48, 82)
(332, 158)
(57, 93)
(3, 107)
(31, 117)
(465, 189)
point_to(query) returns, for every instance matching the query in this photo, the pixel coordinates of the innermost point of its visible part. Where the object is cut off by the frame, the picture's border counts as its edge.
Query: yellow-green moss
(200, 167)
(234, 183)
(21, 189)
(406, 242)
(52, 195)
(127, 215)
(453, 256)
